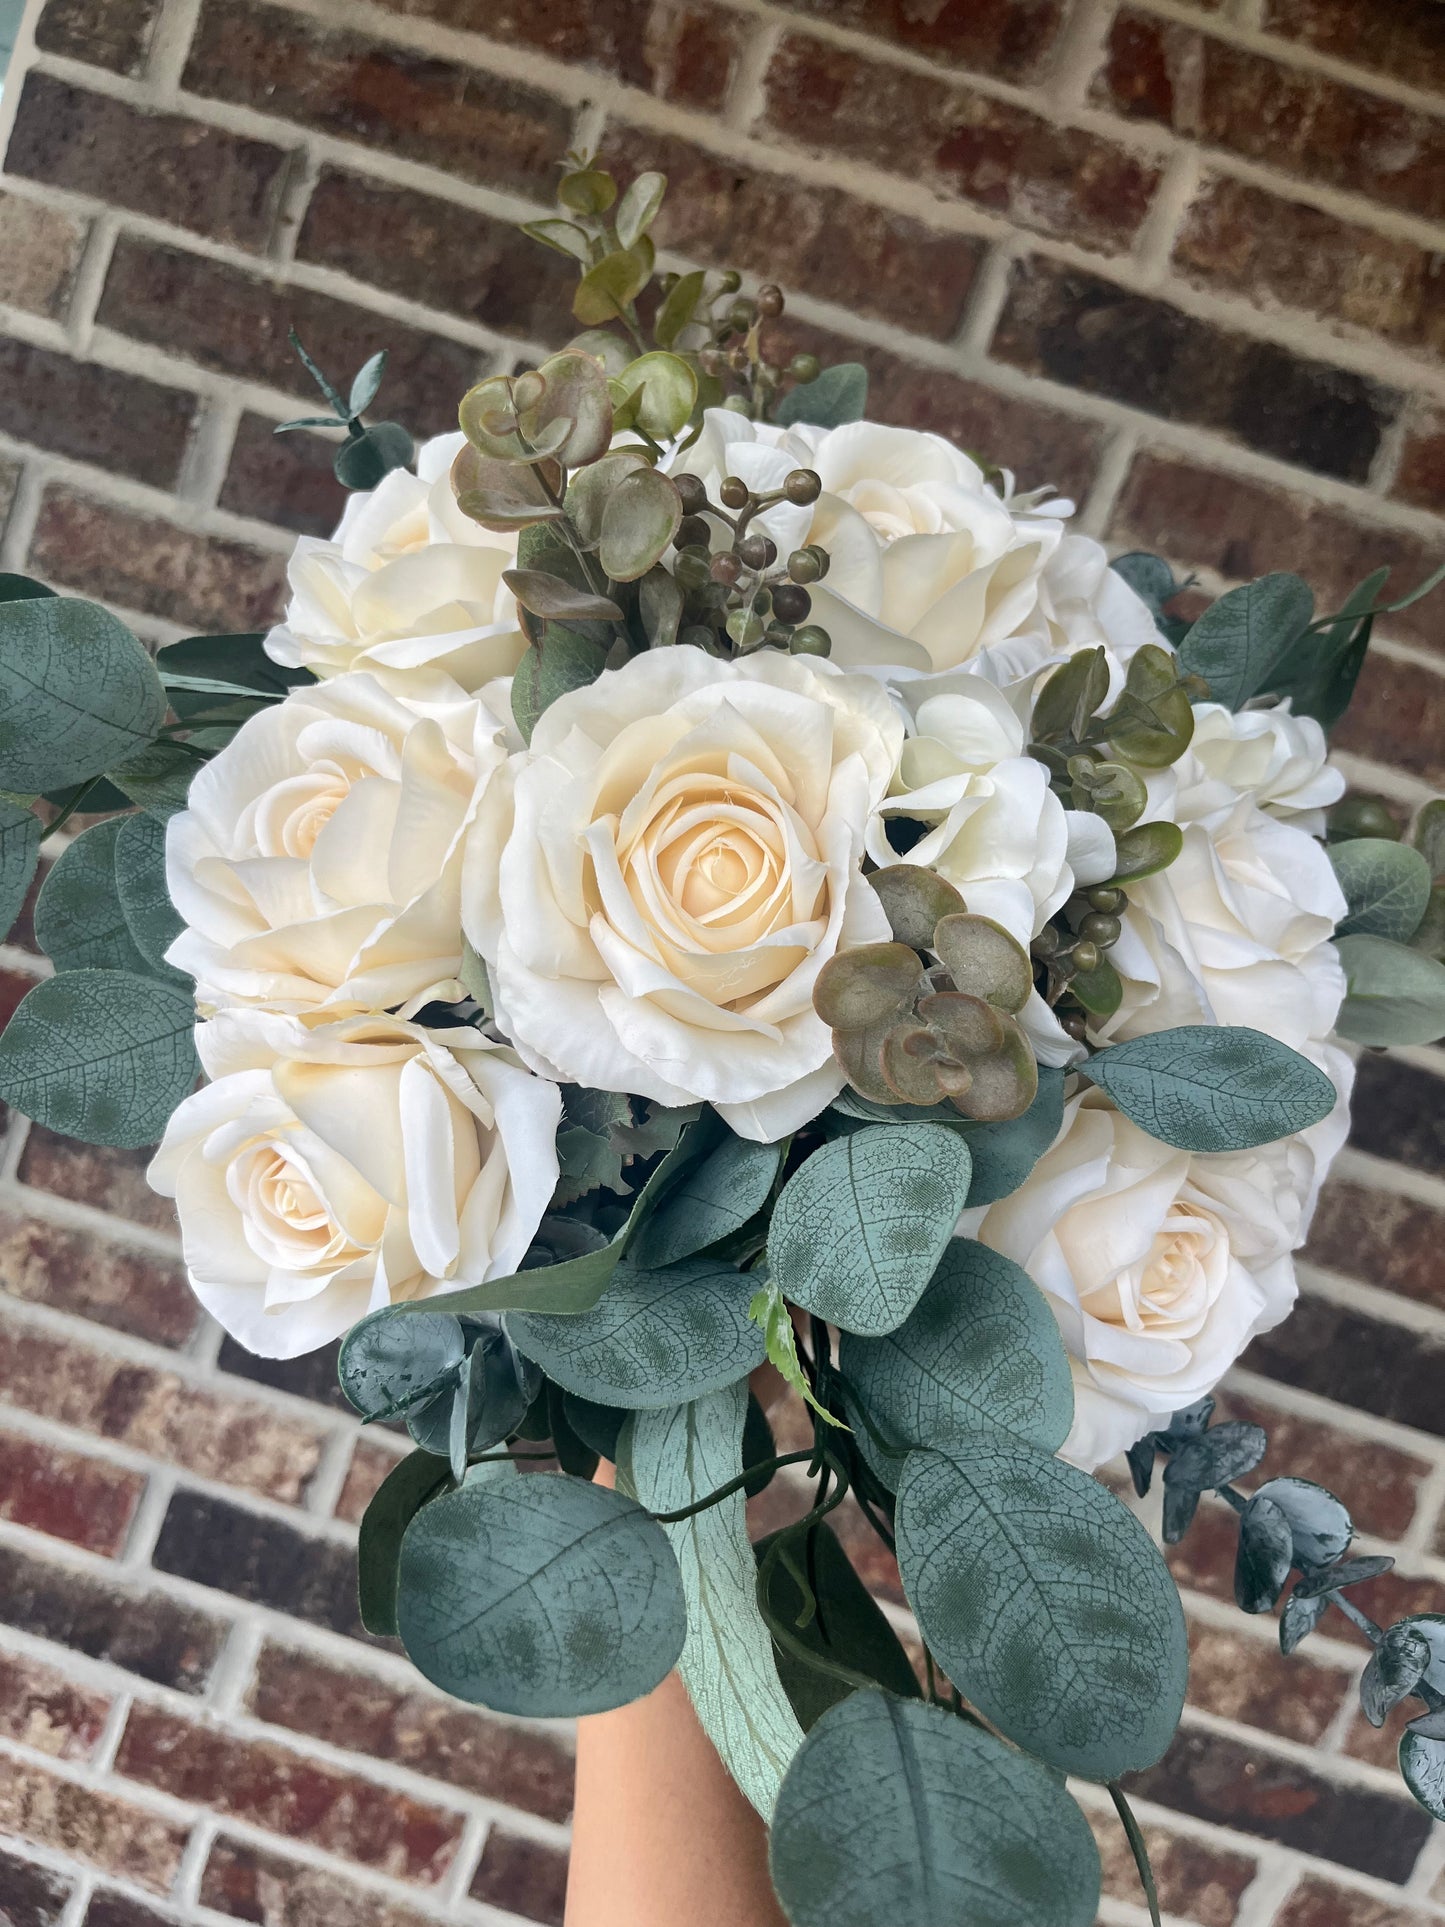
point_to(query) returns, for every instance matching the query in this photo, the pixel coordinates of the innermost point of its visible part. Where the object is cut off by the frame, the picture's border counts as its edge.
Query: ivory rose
(318, 864)
(330, 1170)
(406, 583)
(1278, 758)
(1160, 1265)
(667, 869)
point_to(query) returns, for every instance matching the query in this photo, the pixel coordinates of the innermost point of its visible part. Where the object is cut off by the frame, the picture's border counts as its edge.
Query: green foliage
(19, 855)
(714, 1197)
(1422, 1768)
(365, 458)
(543, 1597)
(22, 588)
(564, 660)
(1319, 670)
(157, 778)
(394, 1504)
(1386, 885)
(1045, 1602)
(78, 693)
(1213, 1088)
(858, 1230)
(79, 922)
(768, 1310)
(1145, 850)
(367, 454)
(100, 1055)
(674, 1458)
(1396, 995)
(1150, 577)
(895, 1814)
(842, 1626)
(840, 394)
(1239, 642)
(389, 1363)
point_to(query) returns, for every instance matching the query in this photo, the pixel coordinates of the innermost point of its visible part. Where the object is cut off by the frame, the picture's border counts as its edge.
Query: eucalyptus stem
(70, 808)
(1138, 1848)
(733, 1485)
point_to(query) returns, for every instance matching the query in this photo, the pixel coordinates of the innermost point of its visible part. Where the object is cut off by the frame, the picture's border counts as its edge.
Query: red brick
(267, 1561)
(31, 1896)
(954, 142)
(470, 123)
(243, 1443)
(1381, 1237)
(816, 240)
(251, 1883)
(69, 1496)
(271, 1787)
(15, 986)
(1398, 1111)
(522, 1767)
(164, 165)
(1205, 518)
(106, 33)
(1319, 1903)
(1420, 478)
(285, 479)
(1397, 715)
(148, 1634)
(369, 1465)
(116, 555)
(76, 408)
(1087, 333)
(522, 1876)
(1196, 1880)
(108, 1282)
(41, 247)
(1405, 40)
(42, 1708)
(1238, 1676)
(1283, 255)
(1308, 125)
(1384, 1369)
(9, 480)
(1011, 39)
(116, 1835)
(312, 1375)
(236, 323)
(111, 1181)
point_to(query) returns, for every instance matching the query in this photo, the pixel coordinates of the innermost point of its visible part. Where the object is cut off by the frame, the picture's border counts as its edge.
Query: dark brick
(146, 1633)
(1398, 1111)
(522, 1768)
(9, 481)
(1362, 1362)
(954, 142)
(1381, 1237)
(263, 1560)
(236, 323)
(84, 1823)
(93, 414)
(111, 1909)
(1320, 1903)
(1196, 1880)
(1255, 1792)
(522, 1876)
(96, 1278)
(1301, 122)
(112, 1181)
(472, 124)
(31, 1896)
(1011, 39)
(107, 33)
(66, 1494)
(1420, 478)
(41, 246)
(164, 165)
(1090, 334)
(313, 1375)
(252, 1883)
(817, 240)
(1397, 715)
(1405, 39)
(285, 479)
(272, 1787)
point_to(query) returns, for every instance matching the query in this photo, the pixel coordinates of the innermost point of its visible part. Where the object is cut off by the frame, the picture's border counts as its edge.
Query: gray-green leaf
(19, 854)
(710, 1201)
(1004, 1154)
(1396, 995)
(1213, 1088)
(840, 394)
(564, 660)
(390, 1361)
(79, 922)
(1386, 885)
(1238, 641)
(78, 693)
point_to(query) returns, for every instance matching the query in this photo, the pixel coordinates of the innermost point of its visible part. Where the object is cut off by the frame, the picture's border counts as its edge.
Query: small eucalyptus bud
(803, 566)
(811, 640)
(1046, 943)
(770, 299)
(730, 281)
(825, 561)
(1076, 1025)
(736, 405)
(1086, 955)
(692, 568)
(742, 314)
(804, 368)
(802, 487)
(734, 492)
(692, 533)
(1107, 899)
(758, 551)
(725, 568)
(1362, 816)
(738, 359)
(712, 361)
(1100, 929)
(791, 604)
(692, 492)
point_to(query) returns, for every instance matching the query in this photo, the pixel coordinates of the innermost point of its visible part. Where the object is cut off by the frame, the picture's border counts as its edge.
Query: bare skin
(661, 1836)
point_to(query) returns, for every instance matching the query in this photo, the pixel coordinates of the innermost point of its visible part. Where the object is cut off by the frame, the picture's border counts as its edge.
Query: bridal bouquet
(701, 881)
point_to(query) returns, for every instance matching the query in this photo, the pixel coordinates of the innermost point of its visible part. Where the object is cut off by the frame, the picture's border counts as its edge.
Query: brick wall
(1185, 259)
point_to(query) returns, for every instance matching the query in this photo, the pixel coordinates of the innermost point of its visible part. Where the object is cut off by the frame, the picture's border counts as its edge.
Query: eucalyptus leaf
(1422, 1768)
(1386, 885)
(658, 392)
(22, 588)
(596, 1425)
(1149, 576)
(1004, 1154)
(607, 290)
(660, 603)
(1046, 1603)
(839, 395)
(19, 855)
(564, 237)
(564, 660)
(847, 1629)
(637, 210)
(1213, 1087)
(396, 1501)
(1217, 1457)
(1320, 1528)
(1298, 1621)
(1349, 1572)
(365, 459)
(549, 595)
(716, 1197)
(896, 1814)
(79, 922)
(198, 668)
(1145, 850)
(366, 382)
(587, 191)
(1262, 1562)
(1396, 1667)
(158, 778)
(1239, 640)
(1427, 834)
(543, 1597)
(678, 307)
(78, 693)
(390, 1361)
(639, 519)
(1318, 672)
(1396, 995)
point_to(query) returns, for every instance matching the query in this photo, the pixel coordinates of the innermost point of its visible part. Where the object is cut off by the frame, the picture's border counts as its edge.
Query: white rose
(1160, 1265)
(319, 861)
(329, 1171)
(1082, 604)
(667, 869)
(406, 583)
(1279, 759)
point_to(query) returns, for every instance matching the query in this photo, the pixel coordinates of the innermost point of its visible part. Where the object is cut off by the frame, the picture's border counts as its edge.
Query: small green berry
(802, 487)
(1100, 929)
(734, 493)
(811, 640)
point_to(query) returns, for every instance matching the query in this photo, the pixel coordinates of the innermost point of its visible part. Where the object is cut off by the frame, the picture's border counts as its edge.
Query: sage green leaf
(79, 923)
(1149, 576)
(840, 394)
(606, 291)
(656, 393)
(716, 1197)
(1239, 641)
(587, 190)
(1145, 850)
(158, 778)
(1427, 834)
(140, 883)
(1071, 694)
(896, 1814)
(563, 237)
(199, 668)
(19, 854)
(637, 210)
(1396, 995)
(396, 1501)
(365, 459)
(1209, 1087)
(660, 603)
(1320, 1526)
(674, 1458)
(1318, 672)
(564, 660)
(1100, 990)
(365, 383)
(656, 1338)
(1046, 1603)
(22, 588)
(1152, 724)
(549, 595)
(849, 1629)
(1422, 1768)
(1004, 1154)
(78, 693)
(503, 494)
(589, 491)
(980, 1353)
(574, 395)
(639, 519)
(858, 1229)
(544, 1597)
(678, 308)
(1386, 885)
(390, 1361)
(100, 1055)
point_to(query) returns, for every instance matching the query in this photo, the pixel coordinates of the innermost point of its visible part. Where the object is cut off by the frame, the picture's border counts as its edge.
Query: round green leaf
(79, 922)
(1240, 639)
(544, 1597)
(140, 882)
(362, 461)
(1145, 850)
(637, 210)
(390, 1361)
(1386, 885)
(574, 392)
(1320, 1526)
(840, 394)
(1004, 1154)
(1213, 1088)
(1046, 1603)
(981, 1351)
(606, 290)
(1422, 1768)
(639, 519)
(716, 1197)
(77, 693)
(659, 391)
(19, 854)
(656, 1338)
(896, 1814)
(564, 660)
(1396, 995)
(858, 1230)
(100, 1055)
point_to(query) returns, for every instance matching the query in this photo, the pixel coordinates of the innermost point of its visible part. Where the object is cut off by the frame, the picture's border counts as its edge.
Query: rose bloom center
(1174, 1284)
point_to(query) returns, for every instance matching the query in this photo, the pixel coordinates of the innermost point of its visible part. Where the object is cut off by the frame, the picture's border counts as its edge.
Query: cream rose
(1279, 759)
(1159, 1265)
(667, 869)
(329, 1171)
(930, 567)
(318, 864)
(406, 583)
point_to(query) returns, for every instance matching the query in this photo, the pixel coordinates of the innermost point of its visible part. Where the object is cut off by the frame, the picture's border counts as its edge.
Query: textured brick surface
(1377, 1367)
(285, 479)
(522, 1877)
(1196, 1881)
(92, 1174)
(369, 1465)
(41, 246)
(146, 1633)
(107, 33)
(250, 1883)
(31, 1896)
(96, 1278)
(1405, 40)
(1399, 1112)
(1011, 39)
(93, 414)
(1317, 1903)
(1384, 1238)
(65, 1494)
(261, 1559)
(41, 1708)
(100, 1829)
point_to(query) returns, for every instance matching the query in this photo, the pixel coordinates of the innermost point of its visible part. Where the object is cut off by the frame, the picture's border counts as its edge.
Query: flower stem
(1137, 1847)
